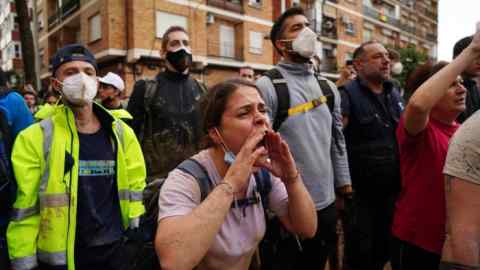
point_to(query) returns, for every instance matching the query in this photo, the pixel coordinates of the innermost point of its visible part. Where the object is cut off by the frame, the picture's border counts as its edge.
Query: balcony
(62, 12)
(225, 50)
(373, 13)
(431, 37)
(329, 65)
(430, 14)
(409, 29)
(230, 5)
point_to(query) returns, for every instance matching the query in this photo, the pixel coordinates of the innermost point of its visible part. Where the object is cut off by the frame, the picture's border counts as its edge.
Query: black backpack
(283, 100)
(7, 182)
(149, 221)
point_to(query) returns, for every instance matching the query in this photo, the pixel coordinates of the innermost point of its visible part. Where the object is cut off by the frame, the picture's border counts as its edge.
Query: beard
(297, 58)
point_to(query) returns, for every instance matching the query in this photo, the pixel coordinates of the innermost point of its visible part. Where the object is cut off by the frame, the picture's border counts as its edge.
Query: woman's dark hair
(215, 102)
(421, 74)
(51, 94)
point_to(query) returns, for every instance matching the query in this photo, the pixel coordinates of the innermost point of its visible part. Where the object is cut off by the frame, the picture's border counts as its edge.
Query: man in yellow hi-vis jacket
(80, 176)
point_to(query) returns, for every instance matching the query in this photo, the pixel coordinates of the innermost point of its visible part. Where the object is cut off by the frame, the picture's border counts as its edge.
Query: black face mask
(180, 60)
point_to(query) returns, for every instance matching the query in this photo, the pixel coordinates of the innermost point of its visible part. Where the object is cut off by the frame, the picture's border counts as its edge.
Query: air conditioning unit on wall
(210, 18)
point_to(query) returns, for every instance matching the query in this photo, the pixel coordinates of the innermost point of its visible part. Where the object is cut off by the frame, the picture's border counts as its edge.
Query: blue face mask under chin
(229, 157)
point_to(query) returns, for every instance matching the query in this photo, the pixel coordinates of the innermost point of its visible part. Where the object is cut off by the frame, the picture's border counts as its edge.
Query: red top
(420, 209)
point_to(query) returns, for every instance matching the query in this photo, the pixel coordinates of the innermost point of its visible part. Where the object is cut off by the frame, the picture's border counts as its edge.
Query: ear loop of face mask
(59, 90)
(229, 156)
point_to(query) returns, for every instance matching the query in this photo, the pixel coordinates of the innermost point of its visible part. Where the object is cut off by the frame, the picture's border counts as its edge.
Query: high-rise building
(125, 35)
(345, 24)
(10, 46)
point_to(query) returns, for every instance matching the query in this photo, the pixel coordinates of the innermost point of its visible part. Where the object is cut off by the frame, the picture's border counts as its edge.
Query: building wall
(415, 25)
(214, 75)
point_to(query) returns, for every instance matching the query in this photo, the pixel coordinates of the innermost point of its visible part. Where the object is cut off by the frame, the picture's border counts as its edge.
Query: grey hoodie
(309, 134)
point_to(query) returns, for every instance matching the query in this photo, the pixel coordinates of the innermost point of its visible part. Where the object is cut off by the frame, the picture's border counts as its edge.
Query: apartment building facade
(125, 35)
(346, 24)
(10, 45)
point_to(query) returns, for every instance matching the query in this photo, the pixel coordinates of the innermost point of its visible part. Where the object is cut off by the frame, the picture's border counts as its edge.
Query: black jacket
(171, 129)
(472, 101)
(370, 136)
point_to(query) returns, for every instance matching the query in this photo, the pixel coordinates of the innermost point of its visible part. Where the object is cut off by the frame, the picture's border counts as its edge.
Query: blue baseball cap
(72, 52)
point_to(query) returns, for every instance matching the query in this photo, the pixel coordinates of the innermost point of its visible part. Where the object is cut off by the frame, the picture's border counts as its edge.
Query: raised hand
(238, 174)
(280, 162)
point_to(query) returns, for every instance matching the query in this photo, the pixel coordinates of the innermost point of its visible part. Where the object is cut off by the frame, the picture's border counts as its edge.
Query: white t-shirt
(463, 158)
(242, 229)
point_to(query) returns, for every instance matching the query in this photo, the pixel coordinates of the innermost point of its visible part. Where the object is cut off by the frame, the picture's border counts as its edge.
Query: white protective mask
(397, 68)
(79, 89)
(306, 43)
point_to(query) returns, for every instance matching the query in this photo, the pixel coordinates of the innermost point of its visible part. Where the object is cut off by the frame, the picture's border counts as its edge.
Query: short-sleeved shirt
(463, 158)
(98, 213)
(242, 229)
(420, 210)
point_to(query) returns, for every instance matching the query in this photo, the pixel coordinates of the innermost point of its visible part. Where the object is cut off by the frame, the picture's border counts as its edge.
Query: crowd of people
(255, 172)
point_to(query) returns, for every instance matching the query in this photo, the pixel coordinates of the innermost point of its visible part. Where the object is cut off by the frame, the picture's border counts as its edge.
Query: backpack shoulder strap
(6, 134)
(199, 172)
(202, 86)
(264, 186)
(283, 97)
(327, 92)
(150, 90)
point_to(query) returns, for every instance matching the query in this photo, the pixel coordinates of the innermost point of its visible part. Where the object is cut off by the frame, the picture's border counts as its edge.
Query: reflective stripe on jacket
(44, 216)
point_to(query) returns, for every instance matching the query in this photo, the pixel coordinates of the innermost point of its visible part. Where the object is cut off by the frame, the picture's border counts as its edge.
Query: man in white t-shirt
(462, 190)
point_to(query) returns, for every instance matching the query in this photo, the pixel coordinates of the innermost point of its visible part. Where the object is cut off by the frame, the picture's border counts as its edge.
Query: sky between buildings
(457, 19)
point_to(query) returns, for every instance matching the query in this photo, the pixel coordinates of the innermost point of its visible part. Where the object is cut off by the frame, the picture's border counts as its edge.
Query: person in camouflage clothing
(166, 113)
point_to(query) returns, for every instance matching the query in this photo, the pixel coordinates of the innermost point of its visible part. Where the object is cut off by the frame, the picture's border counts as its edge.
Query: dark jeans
(105, 257)
(317, 250)
(4, 261)
(367, 231)
(406, 256)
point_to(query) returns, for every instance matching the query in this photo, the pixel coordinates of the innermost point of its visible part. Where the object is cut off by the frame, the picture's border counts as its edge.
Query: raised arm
(430, 92)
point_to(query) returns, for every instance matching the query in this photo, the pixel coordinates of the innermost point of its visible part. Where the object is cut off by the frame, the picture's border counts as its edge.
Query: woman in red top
(423, 134)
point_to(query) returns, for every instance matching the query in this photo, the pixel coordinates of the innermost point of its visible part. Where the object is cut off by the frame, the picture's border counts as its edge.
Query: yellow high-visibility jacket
(44, 215)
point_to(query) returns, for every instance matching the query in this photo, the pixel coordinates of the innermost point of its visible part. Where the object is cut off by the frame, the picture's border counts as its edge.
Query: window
(164, 20)
(367, 35)
(41, 55)
(18, 52)
(350, 28)
(256, 42)
(227, 41)
(255, 3)
(41, 23)
(95, 24)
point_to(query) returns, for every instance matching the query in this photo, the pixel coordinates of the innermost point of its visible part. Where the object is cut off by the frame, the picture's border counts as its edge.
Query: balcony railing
(230, 5)
(62, 12)
(329, 65)
(431, 37)
(226, 50)
(410, 29)
(327, 28)
(370, 12)
(430, 14)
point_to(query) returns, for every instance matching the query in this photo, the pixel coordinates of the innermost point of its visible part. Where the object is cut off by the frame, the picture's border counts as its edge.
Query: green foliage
(410, 59)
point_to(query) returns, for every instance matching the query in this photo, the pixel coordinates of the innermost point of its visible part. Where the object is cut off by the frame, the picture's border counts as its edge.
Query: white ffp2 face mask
(79, 89)
(306, 43)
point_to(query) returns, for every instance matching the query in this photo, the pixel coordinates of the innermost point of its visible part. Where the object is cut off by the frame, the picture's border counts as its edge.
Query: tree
(26, 38)
(410, 59)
